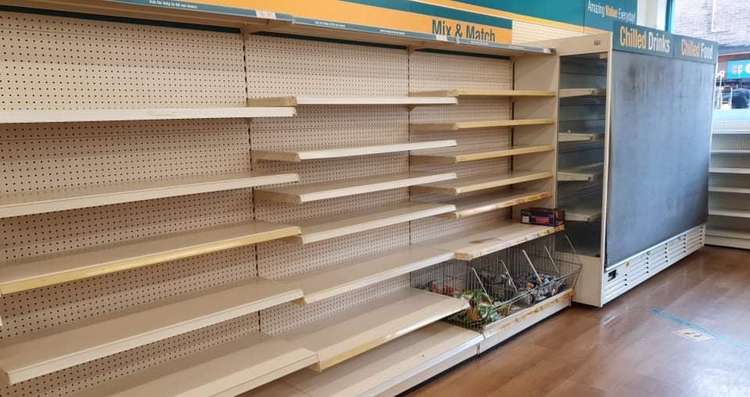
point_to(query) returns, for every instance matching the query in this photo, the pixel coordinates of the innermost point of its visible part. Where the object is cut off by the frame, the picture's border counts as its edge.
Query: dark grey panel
(659, 152)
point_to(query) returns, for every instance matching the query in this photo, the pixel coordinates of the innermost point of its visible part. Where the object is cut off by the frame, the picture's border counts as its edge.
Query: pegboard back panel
(59, 63)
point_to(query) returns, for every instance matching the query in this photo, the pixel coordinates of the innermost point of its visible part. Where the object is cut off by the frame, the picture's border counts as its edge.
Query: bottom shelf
(492, 239)
(364, 327)
(728, 238)
(227, 369)
(388, 370)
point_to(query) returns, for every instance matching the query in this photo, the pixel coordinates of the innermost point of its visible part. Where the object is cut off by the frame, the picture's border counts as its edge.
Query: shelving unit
(729, 183)
(301, 100)
(69, 347)
(488, 202)
(329, 227)
(26, 274)
(296, 156)
(228, 369)
(472, 125)
(364, 327)
(482, 182)
(464, 155)
(304, 193)
(362, 272)
(96, 115)
(19, 204)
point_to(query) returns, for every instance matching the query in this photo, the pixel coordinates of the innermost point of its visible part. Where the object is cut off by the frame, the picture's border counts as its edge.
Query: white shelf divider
(19, 204)
(305, 193)
(50, 352)
(80, 116)
(296, 156)
(367, 326)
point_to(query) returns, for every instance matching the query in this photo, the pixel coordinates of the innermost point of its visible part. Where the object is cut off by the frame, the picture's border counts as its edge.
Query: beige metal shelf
(364, 327)
(728, 189)
(484, 203)
(484, 93)
(488, 240)
(55, 269)
(329, 227)
(565, 137)
(583, 214)
(728, 238)
(729, 170)
(586, 173)
(19, 204)
(389, 369)
(103, 337)
(483, 182)
(729, 213)
(228, 369)
(76, 116)
(465, 155)
(301, 100)
(581, 92)
(296, 156)
(730, 151)
(305, 193)
(468, 125)
(361, 272)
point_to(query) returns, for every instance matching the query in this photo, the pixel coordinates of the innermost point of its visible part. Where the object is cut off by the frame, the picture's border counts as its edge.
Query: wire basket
(503, 283)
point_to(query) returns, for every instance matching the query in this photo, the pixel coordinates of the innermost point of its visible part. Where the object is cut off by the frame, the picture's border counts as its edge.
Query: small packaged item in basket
(543, 216)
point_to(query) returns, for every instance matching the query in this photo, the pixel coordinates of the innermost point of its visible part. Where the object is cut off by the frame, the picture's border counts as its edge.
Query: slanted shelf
(488, 202)
(491, 239)
(113, 334)
(228, 369)
(582, 92)
(80, 116)
(18, 204)
(361, 272)
(482, 182)
(366, 326)
(301, 100)
(329, 227)
(583, 213)
(387, 370)
(730, 170)
(485, 93)
(462, 155)
(305, 193)
(729, 213)
(568, 137)
(296, 156)
(471, 125)
(584, 173)
(37, 272)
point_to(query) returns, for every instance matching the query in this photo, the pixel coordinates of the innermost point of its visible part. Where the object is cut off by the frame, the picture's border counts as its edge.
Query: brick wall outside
(731, 22)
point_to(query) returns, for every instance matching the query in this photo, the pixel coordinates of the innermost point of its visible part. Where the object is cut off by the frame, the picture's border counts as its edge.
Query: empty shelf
(103, 337)
(731, 131)
(464, 155)
(578, 137)
(228, 369)
(579, 92)
(493, 239)
(729, 213)
(392, 368)
(482, 182)
(299, 194)
(467, 125)
(296, 156)
(54, 269)
(731, 151)
(19, 204)
(476, 205)
(350, 100)
(727, 189)
(583, 214)
(71, 116)
(727, 170)
(335, 226)
(361, 272)
(728, 233)
(586, 173)
(485, 93)
(364, 327)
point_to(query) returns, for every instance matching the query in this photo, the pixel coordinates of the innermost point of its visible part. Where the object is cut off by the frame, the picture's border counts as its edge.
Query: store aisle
(632, 346)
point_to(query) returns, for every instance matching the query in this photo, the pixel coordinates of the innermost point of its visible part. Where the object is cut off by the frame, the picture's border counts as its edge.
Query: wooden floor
(629, 348)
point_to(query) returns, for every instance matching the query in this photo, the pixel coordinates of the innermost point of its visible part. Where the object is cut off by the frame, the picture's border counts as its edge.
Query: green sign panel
(638, 39)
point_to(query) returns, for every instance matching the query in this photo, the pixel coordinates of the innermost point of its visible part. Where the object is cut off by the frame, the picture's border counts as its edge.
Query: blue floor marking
(678, 320)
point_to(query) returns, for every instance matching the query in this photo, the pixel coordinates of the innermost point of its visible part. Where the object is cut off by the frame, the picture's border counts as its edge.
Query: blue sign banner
(738, 69)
